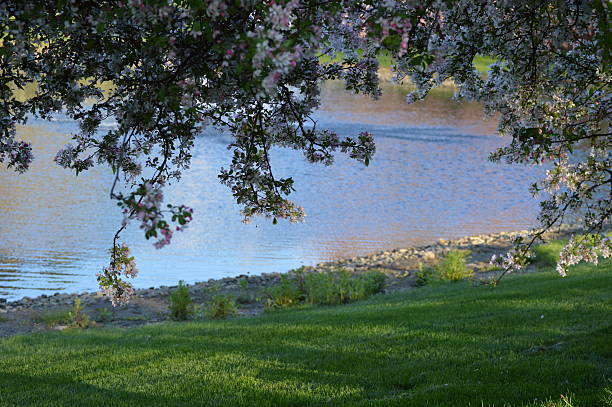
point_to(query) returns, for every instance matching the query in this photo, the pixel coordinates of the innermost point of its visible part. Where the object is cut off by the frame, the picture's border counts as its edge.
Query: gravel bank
(151, 305)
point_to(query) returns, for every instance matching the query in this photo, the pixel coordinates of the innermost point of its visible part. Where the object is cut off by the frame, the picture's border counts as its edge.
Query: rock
(429, 255)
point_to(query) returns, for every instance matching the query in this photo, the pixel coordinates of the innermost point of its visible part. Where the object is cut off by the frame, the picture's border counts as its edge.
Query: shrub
(77, 318)
(244, 297)
(339, 286)
(323, 288)
(104, 314)
(374, 281)
(220, 306)
(52, 318)
(284, 294)
(319, 289)
(180, 302)
(424, 275)
(547, 255)
(453, 267)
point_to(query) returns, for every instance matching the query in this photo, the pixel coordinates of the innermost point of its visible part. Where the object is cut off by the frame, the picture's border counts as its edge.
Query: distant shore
(151, 305)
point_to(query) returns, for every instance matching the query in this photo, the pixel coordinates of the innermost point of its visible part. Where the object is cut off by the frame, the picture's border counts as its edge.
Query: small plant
(284, 294)
(319, 288)
(77, 318)
(180, 302)
(298, 275)
(244, 297)
(424, 275)
(374, 282)
(136, 318)
(453, 267)
(337, 286)
(104, 314)
(53, 318)
(220, 306)
(491, 268)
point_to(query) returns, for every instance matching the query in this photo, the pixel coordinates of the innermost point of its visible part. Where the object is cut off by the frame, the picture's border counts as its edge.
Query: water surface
(429, 179)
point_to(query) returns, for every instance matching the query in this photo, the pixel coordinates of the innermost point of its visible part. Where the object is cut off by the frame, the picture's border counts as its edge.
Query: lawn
(481, 62)
(534, 340)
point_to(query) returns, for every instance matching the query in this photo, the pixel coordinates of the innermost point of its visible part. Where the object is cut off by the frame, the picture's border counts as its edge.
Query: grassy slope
(533, 338)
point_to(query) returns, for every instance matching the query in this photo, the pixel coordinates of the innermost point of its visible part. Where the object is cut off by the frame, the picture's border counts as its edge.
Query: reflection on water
(429, 179)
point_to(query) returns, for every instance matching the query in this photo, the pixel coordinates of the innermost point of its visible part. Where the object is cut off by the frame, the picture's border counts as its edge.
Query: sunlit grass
(535, 340)
(481, 62)
(548, 255)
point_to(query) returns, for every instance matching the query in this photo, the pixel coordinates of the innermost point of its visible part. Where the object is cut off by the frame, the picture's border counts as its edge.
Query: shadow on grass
(444, 346)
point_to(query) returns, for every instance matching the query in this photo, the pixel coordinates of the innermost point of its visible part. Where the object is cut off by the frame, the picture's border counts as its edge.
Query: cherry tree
(166, 69)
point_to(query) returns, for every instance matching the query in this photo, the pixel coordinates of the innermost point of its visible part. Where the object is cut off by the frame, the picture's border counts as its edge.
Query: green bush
(453, 267)
(284, 294)
(374, 282)
(52, 318)
(180, 302)
(424, 275)
(77, 318)
(244, 297)
(104, 314)
(338, 286)
(320, 288)
(220, 306)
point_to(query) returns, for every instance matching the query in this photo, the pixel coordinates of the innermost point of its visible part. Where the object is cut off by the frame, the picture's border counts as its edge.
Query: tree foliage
(253, 68)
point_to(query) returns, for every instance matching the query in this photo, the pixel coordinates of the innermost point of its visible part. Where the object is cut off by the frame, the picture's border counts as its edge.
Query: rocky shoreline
(151, 305)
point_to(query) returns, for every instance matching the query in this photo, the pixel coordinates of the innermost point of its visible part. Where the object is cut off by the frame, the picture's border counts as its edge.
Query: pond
(429, 179)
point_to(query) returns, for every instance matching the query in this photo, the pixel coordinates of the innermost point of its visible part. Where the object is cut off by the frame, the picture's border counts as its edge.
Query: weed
(77, 318)
(136, 318)
(337, 286)
(453, 267)
(52, 318)
(374, 282)
(491, 268)
(284, 294)
(219, 306)
(3, 319)
(244, 297)
(180, 302)
(424, 275)
(564, 401)
(104, 314)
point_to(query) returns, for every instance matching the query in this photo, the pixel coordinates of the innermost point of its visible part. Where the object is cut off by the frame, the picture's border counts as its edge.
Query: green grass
(526, 342)
(547, 255)
(481, 62)
(52, 318)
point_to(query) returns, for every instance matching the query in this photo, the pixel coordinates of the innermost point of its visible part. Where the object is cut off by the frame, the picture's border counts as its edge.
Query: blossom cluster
(145, 205)
(516, 258)
(111, 278)
(17, 153)
(583, 248)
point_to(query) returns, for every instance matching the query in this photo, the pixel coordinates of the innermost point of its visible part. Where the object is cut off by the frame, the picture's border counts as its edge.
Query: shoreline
(150, 305)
